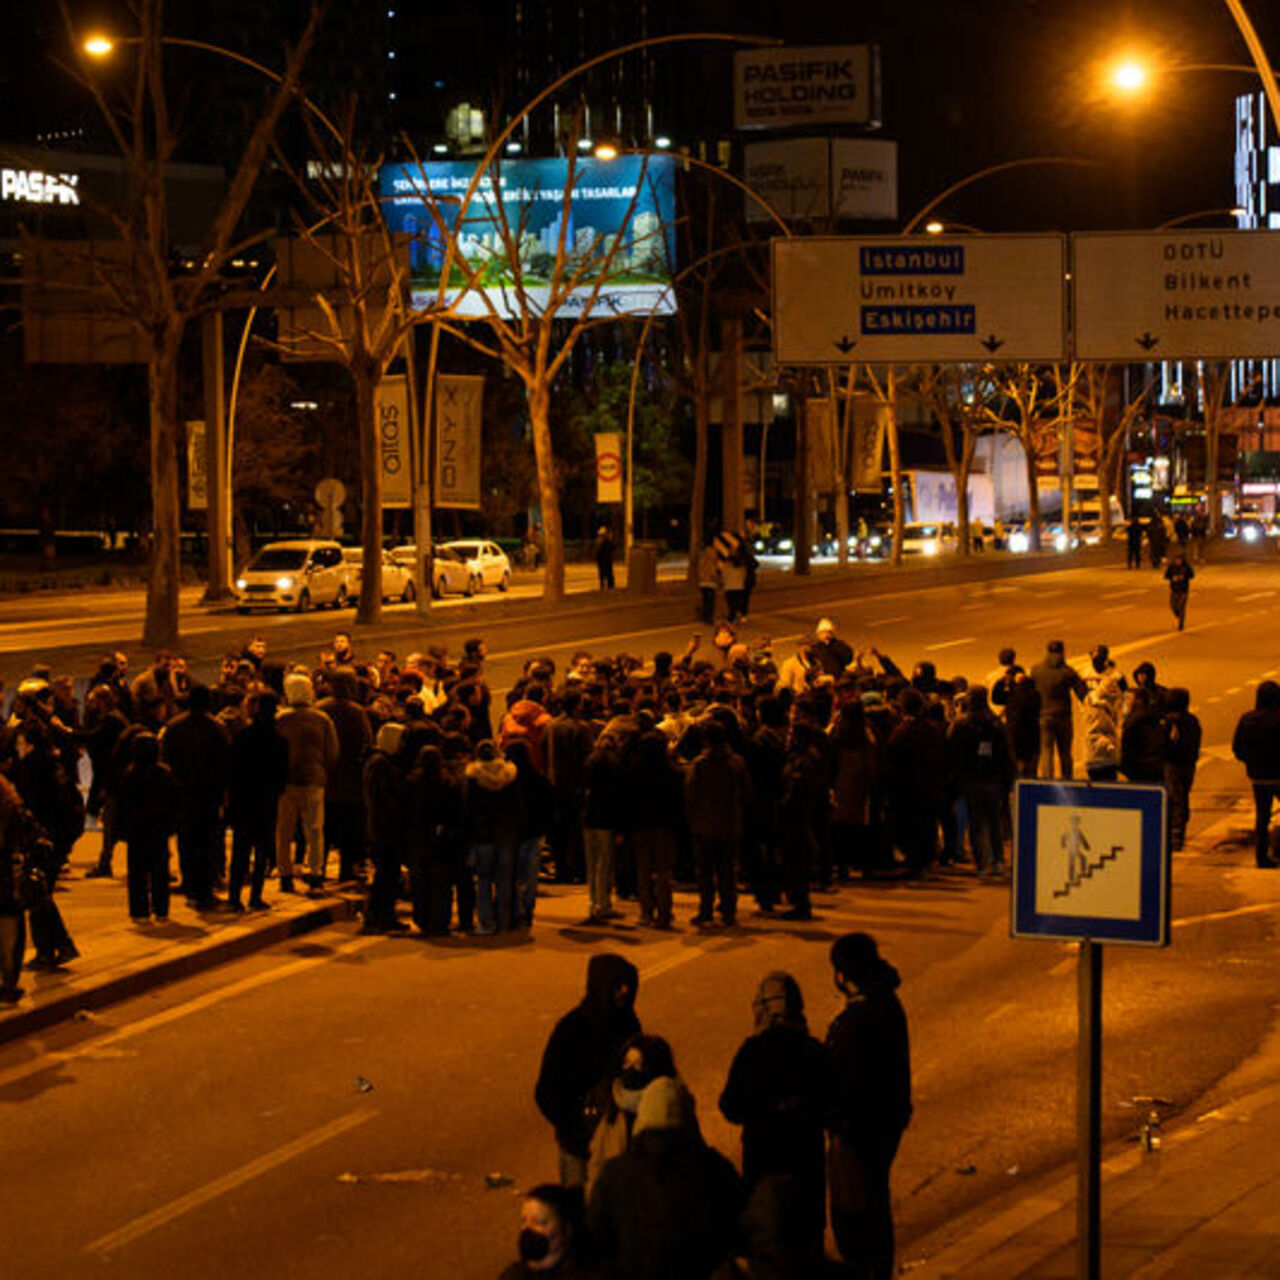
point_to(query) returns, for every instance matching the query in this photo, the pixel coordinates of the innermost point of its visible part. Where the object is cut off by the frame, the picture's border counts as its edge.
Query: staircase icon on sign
(1088, 871)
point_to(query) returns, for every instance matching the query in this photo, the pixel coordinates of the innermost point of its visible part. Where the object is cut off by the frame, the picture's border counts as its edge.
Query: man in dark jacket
(1256, 743)
(194, 746)
(668, 1208)
(568, 746)
(982, 764)
(1055, 681)
(344, 792)
(257, 769)
(585, 1047)
(1016, 693)
(386, 808)
(916, 782)
(777, 1092)
(869, 1104)
(828, 653)
(1181, 753)
(717, 792)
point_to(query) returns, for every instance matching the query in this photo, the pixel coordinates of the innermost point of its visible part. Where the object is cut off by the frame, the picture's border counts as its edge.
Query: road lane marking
(1257, 595)
(1233, 691)
(950, 644)
(1120, 595)
(1000, 1010)
(1253, 909)
(149, 1222)
(884, 622)
(47, 1061)
(1117, 608)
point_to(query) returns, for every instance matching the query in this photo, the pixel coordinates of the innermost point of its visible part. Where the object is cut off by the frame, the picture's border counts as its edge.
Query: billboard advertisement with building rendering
(615, 233)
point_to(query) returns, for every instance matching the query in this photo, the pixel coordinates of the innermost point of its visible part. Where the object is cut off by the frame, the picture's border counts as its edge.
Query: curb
(66, 1004)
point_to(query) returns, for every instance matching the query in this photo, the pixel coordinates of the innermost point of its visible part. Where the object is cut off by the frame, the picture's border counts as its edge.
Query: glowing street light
(1129, 76)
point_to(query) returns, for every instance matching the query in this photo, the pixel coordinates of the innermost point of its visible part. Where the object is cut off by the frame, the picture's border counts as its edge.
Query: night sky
(967, 83)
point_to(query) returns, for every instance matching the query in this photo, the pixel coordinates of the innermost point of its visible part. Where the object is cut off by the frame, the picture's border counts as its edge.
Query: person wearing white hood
(313, 755)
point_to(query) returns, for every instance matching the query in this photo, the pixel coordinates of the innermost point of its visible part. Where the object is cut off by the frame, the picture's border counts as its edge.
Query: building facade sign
(786, 88)
(34, 186)
(823, 177)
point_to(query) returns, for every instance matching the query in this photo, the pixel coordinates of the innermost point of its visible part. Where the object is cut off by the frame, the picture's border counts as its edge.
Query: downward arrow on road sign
(846, 343)
(1146, 342)
(992, 343)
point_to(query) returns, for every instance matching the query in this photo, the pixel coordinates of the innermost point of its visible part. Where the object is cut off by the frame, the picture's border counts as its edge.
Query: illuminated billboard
(626, 206)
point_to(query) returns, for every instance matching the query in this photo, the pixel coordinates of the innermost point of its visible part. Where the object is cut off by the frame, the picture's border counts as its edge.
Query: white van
(298, 575)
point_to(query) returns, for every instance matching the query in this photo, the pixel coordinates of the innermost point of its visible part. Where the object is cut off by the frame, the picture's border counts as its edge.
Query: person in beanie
(584, 1049)
(313, 755)
(869, 1103)
(777, 1092)
(668, 1208)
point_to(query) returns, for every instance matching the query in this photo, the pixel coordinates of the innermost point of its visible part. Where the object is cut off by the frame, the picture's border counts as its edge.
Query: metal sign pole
(1088, 1113)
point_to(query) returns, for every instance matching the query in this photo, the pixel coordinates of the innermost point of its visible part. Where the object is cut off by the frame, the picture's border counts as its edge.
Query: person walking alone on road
(604, 557)
(1256, 743)
(584, 1049)
(869, 1105)
(1133, 540)
(1178, 575)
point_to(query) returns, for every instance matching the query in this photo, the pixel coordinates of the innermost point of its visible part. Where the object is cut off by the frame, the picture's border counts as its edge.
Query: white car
(486, 562)
(300, 575)
(397, 575)
(928, 539)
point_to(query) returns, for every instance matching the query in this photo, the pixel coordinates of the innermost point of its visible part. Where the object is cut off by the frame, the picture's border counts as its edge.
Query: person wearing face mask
(777, 1092)
(617, 1099)
(550, 1218)
(869, 1104)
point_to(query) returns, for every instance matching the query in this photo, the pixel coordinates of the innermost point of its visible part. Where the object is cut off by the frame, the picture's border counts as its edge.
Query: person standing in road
(313, 754)
(829, 655)
(1182, 737)
(150, 810)
(1199, 534)
(708, 581)
(550, 1227)
(1056, 681)
(257, 770)
(1178, 575)
(194, 745)
(585, 1049)
(982, 762)
(1103, 707)
(916, 782)
(602, 819)
(869, 1104)
(777, 1091)
(344, 792)
(1017, 694)
(717, 791)
(1157, 540)
(1256, 744)
(604, 557)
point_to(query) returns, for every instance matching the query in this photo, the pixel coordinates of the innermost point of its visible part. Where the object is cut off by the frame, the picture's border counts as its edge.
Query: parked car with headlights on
(299, 575)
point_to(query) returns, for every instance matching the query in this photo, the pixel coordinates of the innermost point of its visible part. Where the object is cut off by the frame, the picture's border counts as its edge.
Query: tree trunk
(367, 378)
(539, 398)
(842, 520)
(1033, 496)
(160, 630)
(698, 498)
(804, 498)
(48, 536)
(961, 475)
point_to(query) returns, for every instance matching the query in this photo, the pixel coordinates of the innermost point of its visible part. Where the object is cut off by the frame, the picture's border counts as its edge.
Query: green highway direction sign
(919, 300)
(1176, 295)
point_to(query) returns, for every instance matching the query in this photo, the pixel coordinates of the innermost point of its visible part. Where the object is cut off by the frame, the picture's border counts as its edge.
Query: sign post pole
(1089, 1113)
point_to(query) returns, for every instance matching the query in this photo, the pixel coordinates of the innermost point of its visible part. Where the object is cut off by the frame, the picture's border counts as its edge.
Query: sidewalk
(1205, 1205)
(119, 959)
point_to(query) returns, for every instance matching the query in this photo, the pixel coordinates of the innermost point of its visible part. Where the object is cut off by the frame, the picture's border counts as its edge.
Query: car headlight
(786, 545)
(1019, 542)
(1060, 543)
(1249, 533)
(241, 583)
(284, 584)
(930, 547)
(875, 541)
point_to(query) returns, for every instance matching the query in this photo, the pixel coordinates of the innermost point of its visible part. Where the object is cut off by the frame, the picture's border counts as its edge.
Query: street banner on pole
(1176, 295)
(608, 467)
(819, 422)
(870, 422)
(459, 408)
(1090, 861)
(392, 408)
(197, 476)
(919, 300)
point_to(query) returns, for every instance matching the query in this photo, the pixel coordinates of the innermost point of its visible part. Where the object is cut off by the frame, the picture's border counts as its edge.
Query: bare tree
(144, 285)
(1110, 419)
(884, 386)
(1019, 394)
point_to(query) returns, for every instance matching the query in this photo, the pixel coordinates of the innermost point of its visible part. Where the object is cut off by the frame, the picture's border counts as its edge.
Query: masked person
(617, 1099)
(550, 1224)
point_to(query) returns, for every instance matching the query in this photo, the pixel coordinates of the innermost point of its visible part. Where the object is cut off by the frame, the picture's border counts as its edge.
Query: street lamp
(1185, 218)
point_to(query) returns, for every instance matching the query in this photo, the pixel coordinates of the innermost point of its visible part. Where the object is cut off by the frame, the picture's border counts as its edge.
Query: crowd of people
(821, 1123)
(720, 767)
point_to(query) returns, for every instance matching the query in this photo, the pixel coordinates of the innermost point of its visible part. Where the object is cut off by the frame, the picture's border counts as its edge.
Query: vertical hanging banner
(197, 477)
(608, 467)
(819, 422)
(392, 407)
(870, 423)
(459, 403)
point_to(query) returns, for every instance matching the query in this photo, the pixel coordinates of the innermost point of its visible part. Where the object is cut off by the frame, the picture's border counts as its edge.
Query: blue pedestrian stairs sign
(1090, 862)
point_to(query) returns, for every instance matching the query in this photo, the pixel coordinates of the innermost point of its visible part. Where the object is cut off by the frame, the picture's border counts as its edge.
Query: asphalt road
(217, 1127)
